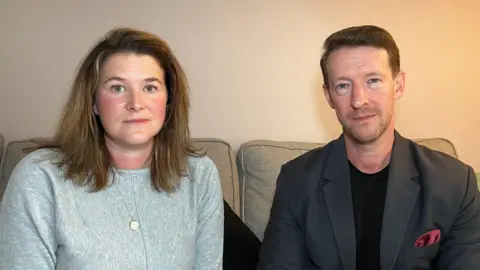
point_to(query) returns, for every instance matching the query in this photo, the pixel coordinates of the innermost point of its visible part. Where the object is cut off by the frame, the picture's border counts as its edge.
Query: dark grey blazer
(311, 225)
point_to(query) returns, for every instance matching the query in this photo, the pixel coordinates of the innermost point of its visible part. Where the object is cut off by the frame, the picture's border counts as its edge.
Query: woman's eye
(118, 88)
(150, 88)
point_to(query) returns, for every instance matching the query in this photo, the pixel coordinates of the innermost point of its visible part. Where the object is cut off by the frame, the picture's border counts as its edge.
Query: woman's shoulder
(44, 157)
(34, 174)
(205, 180)
(201, 168)
(40, 162)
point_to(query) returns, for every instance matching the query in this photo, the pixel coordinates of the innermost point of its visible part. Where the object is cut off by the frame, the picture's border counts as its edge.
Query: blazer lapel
(338, 197)
(400, 200)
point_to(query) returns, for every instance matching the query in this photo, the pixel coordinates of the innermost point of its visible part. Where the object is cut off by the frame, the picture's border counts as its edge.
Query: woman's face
(131, 99)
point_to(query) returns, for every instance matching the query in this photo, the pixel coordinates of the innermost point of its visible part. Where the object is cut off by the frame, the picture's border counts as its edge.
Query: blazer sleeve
(283, 245)
(461, 247)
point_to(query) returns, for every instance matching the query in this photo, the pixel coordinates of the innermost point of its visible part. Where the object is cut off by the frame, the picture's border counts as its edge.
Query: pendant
(134, 225)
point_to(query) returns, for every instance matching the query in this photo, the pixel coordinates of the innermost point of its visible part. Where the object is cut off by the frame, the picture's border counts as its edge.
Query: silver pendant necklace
(134, 224)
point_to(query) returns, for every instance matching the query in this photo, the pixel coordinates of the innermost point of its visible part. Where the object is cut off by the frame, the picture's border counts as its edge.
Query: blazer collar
(337, 160)
(402, 194)
(400, 199)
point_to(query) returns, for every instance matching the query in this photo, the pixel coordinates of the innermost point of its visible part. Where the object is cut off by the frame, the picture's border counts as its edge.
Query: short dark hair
(356, 36)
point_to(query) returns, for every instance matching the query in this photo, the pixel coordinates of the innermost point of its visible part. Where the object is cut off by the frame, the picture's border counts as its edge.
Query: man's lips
(363, 117)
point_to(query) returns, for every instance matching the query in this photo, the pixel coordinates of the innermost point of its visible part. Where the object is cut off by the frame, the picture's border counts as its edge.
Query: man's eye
(342, 89)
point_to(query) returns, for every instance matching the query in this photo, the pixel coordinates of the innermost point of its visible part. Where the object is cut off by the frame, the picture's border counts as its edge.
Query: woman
(119, 186)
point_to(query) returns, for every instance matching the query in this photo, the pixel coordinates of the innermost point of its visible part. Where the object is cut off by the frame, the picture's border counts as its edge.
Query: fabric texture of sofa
(248, 175)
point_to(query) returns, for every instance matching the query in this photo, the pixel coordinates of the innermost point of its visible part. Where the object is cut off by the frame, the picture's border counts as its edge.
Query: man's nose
(359, 97)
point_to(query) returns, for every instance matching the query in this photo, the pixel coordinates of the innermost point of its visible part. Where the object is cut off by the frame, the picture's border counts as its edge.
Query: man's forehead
(361, 53)
(359, 59)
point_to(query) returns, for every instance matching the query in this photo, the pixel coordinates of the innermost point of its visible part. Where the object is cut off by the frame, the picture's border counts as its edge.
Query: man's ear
(399, 85)
(327, 96)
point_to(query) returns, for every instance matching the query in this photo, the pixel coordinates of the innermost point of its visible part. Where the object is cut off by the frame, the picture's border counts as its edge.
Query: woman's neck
(129, 158)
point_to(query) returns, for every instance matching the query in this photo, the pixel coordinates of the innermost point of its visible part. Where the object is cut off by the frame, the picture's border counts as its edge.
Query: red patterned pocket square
(427, 239)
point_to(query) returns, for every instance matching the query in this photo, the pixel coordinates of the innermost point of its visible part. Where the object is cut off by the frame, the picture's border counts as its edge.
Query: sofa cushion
(259, 164)
(219, 151)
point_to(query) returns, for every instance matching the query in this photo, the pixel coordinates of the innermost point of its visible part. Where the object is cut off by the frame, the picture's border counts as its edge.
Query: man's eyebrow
(369, 74)
(342, 78)
(374, 73)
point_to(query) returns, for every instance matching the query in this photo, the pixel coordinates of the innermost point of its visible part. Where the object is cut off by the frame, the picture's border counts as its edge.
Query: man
(371, 199)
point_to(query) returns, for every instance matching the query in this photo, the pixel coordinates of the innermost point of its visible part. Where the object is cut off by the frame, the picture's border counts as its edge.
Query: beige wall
(252, 64)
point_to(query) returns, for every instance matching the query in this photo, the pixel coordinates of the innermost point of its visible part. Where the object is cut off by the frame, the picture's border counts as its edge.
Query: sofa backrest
(259, 164)
(219, 151)
(249, 190)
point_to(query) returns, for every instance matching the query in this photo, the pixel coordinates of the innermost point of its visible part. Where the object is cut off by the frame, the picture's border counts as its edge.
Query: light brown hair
(356, 36)
(80, 135)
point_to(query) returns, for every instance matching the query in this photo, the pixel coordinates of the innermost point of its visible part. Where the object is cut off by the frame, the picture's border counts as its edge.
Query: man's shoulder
(438, 161)
(307, 160)
(302, 175)
(439, 171)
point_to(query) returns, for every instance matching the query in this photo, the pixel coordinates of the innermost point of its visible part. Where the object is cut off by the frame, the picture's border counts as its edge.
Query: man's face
(362, 90)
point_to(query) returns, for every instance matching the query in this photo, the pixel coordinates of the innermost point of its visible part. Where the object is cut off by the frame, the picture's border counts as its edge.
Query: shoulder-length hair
(80, 135)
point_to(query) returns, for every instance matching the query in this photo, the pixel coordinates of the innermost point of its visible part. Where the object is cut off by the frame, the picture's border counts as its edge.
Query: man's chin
(363, 137)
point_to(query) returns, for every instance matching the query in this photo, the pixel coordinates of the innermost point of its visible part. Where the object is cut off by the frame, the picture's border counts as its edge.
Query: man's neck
(371, 157)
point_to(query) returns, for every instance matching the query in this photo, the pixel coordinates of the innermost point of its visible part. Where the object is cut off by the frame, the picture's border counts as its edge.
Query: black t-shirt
(368, 194)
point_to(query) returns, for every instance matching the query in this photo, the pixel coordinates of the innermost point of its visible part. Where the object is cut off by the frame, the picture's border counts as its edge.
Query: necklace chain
(134, 223)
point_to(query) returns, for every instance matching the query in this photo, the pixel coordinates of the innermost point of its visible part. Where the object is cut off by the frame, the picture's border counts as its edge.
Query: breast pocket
(423, 257)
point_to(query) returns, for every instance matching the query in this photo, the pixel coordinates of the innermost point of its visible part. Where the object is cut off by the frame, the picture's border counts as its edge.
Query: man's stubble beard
(370, 137)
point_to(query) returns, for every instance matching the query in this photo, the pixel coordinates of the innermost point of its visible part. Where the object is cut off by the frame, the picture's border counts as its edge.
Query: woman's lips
(137, 121)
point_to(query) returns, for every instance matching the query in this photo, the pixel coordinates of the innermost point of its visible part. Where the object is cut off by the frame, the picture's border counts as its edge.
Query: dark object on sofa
(241, 246)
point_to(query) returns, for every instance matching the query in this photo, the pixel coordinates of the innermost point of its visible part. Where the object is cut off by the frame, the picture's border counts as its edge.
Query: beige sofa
(248, 174)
